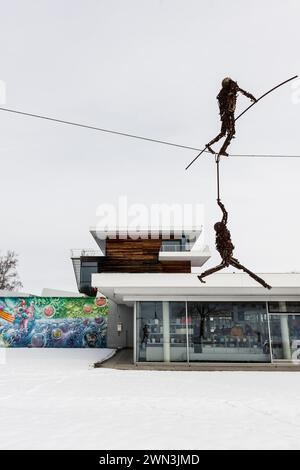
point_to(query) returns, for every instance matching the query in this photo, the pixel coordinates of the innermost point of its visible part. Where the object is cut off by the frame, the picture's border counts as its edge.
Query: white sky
(151, 67)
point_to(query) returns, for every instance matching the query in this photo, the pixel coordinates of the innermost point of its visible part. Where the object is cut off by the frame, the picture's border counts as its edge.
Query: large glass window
(181, 244)
(228, 331)
(178, 333)
(285, 336)
(161, 331)
(284, 307)
(171, 245)
(150, 332)
(87, 269)
(202, 331)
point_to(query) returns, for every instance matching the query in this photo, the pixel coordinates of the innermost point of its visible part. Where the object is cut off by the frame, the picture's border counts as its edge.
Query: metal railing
(79, 252)
(174, 247)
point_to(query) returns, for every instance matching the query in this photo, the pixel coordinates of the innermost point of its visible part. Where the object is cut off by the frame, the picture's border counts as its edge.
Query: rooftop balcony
(197, 255)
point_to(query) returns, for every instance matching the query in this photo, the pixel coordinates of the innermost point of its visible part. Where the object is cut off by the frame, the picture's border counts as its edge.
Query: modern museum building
(160, 309)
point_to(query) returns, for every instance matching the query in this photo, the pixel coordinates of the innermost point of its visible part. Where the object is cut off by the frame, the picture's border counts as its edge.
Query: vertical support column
(166, 334)
(285, 333)
(134, 333)
(269, 332)
(187, 334)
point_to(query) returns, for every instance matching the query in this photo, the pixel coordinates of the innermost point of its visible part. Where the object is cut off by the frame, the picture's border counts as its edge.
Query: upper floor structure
(156, 251)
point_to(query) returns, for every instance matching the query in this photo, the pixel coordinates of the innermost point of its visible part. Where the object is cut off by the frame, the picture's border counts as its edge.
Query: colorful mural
(53, 322)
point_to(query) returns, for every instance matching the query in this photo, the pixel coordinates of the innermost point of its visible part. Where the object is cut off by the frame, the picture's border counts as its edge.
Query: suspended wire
(139, 137)
(253, 155)
(218, 179)
(100, 129)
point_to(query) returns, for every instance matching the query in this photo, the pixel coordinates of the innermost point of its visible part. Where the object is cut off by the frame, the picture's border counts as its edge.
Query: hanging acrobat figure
(227, 103)
(225, 247)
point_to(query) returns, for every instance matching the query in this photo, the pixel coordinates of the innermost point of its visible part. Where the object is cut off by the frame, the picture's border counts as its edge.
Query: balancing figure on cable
(227, 103)
(225, 247)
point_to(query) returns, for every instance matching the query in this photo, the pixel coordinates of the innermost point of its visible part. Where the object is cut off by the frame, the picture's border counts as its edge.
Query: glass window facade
(87, 269)
(202, 331)
(228, 331)
(284, 307)
(181, 244)
(285, 336)
(284, 318)
(178, 331)
(150, 332)
(161, 332)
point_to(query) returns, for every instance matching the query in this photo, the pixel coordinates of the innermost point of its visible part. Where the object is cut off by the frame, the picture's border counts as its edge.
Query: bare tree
(9, 279)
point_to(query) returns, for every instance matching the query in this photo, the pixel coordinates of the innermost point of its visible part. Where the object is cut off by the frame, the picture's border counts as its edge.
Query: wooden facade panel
(138, 256)
(133, 249)
(139, 267)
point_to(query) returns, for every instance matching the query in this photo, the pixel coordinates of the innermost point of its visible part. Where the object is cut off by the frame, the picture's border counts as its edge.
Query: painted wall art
(53, 322)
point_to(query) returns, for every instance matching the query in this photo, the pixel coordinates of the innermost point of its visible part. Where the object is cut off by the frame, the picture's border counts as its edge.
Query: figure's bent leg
(208, 147)
(258, 279)
(211, 271)
(230, 127)
(225, 145)
(217, 138)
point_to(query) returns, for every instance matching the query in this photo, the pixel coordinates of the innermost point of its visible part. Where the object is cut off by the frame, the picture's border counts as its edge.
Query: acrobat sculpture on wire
(225, 247)
(227, 104)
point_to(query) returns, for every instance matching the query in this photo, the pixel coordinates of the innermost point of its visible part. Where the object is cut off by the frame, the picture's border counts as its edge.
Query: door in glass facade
(285, 330)
(149, 332)
(178, 331)
(161, 332)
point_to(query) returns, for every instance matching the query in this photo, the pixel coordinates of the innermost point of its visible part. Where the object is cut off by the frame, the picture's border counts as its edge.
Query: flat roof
(144, 232)
(128, 287)
(10, 293)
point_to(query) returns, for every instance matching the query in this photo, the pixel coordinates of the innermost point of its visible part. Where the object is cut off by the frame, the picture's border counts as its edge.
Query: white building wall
(119, 314)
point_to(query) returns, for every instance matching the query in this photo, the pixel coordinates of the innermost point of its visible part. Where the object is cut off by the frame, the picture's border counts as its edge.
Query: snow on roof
(11, 293)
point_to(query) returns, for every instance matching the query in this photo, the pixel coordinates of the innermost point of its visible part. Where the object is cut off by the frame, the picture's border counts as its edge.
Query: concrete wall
(119, 314)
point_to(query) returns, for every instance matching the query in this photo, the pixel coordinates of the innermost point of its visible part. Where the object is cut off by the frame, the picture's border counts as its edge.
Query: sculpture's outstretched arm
(245, 93)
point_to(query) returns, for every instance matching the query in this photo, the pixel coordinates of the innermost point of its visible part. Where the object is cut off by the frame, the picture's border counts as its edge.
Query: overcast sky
(150, 67)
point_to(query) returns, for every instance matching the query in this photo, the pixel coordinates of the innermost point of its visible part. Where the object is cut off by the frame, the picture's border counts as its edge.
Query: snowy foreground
(53, 399)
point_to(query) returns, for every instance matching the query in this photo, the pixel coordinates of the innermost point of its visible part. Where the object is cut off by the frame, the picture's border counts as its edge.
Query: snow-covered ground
(53, 399)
